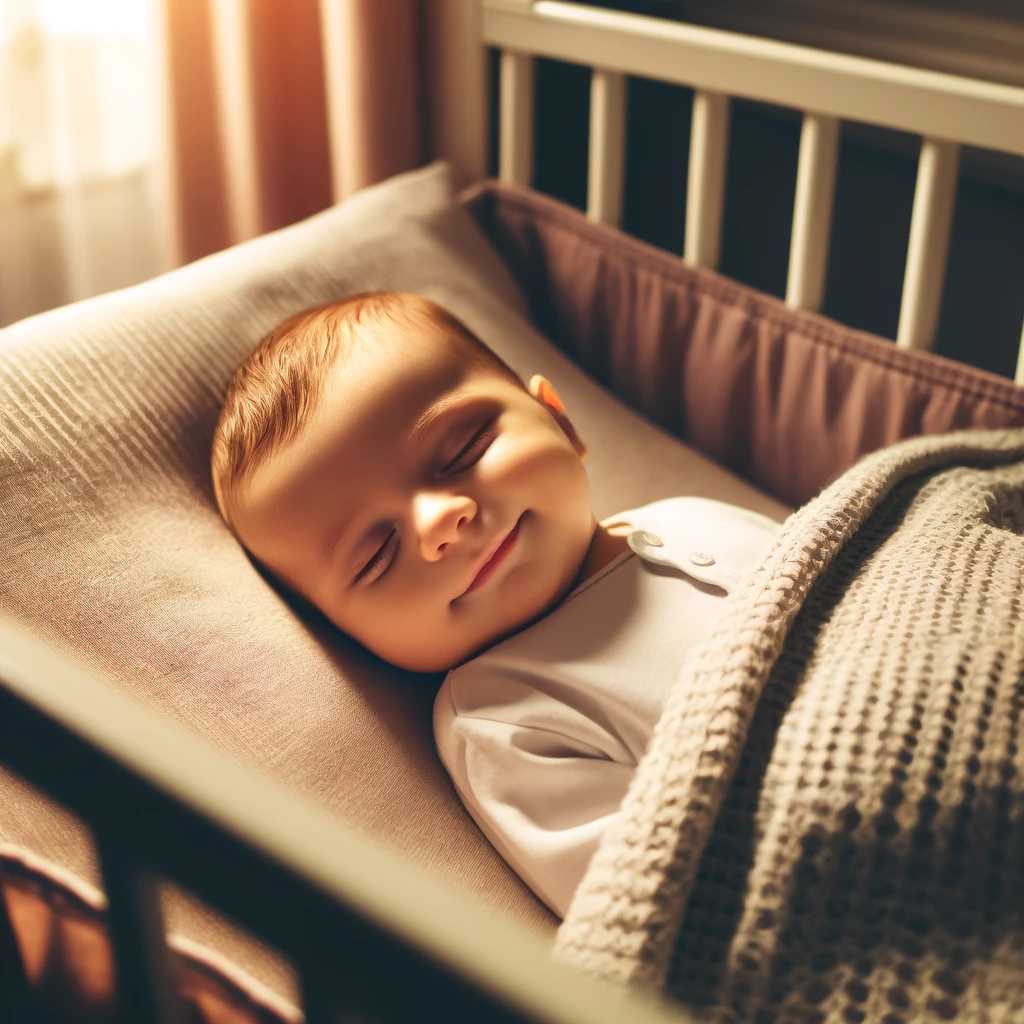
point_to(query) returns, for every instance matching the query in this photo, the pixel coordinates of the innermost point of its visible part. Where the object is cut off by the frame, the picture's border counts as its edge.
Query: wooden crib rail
(352, 915)
(947, 111)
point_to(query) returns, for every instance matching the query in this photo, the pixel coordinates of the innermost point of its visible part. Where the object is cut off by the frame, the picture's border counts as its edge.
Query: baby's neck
(608, 542)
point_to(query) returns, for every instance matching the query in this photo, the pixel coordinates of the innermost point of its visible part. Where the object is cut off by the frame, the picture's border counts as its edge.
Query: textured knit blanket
(828, 824)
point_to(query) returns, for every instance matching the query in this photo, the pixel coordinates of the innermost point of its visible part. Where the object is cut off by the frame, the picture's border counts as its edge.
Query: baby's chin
(542, 605)
(434, 661)
(524, 596)
(461, 650)
(442, 657)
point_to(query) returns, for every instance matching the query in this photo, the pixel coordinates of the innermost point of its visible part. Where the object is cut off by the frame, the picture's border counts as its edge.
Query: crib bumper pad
(784, 398)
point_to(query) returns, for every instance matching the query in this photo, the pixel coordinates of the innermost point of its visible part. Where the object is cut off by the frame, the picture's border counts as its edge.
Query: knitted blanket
(828, 824)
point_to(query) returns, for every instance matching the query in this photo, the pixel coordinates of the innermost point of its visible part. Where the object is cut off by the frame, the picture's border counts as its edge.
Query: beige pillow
(110, 543)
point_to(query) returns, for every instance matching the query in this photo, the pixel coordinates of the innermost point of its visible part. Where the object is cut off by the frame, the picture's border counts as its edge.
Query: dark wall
(983, 305)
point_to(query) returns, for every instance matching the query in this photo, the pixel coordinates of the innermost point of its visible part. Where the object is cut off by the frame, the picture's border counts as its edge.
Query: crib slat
(709, 138)
(146, 992)
(1019, 376)
(233, 70)
(812, 213)
(607, 156)
(515, 143)
(930, 227)
(976, 112)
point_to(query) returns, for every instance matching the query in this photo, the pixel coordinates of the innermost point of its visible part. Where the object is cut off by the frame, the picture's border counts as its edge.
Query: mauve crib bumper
(785, 398)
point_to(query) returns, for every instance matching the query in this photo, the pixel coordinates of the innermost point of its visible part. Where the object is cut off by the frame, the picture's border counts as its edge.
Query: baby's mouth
(495, 559)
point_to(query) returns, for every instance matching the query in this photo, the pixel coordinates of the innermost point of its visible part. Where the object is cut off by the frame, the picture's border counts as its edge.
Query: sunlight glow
(95, 17)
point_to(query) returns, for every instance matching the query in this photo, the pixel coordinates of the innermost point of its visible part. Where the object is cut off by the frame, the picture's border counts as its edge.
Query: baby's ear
(542, 390)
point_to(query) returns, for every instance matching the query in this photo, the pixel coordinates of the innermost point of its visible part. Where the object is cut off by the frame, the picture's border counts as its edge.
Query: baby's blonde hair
(274, 391)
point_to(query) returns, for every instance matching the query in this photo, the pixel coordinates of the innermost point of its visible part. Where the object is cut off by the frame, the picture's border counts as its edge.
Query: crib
(372, 934)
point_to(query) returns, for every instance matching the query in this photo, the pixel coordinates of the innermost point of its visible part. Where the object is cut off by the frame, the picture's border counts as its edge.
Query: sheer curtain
(84, 197)
(139, 134)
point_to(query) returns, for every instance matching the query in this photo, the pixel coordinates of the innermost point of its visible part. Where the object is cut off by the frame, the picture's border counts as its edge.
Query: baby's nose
(440, 518)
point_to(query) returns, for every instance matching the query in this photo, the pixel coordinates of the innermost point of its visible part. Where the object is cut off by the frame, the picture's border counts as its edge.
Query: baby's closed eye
(379, 561)
(472, 450)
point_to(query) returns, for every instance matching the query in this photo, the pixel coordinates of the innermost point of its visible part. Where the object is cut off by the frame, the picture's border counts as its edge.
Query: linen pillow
(111, 545)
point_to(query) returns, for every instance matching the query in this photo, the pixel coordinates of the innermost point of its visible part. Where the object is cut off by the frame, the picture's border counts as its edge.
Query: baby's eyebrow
(435, 411)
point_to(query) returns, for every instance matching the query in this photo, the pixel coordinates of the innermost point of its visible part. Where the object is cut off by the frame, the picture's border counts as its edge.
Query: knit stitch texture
(828, 824)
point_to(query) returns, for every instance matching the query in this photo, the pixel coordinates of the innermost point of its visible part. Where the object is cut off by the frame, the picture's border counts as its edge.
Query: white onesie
(541, 733)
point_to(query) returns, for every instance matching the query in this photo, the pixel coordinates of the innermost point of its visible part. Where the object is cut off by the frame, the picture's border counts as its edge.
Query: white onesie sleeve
(542, 797)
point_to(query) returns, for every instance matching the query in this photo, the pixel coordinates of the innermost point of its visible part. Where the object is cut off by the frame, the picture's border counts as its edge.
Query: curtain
(253, 99)
(139, 134)
(84, 205)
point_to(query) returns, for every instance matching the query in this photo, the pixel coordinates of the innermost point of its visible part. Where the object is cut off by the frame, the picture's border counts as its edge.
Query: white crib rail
(516, 126)
(945, 110)
(930, 226)
(607, 146)
(705, 188)
(812, 211)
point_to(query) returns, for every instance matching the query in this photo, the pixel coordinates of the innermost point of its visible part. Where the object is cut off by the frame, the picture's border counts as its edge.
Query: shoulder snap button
(642, 540)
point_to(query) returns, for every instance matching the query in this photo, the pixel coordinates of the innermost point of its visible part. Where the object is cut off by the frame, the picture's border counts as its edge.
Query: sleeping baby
(381, 462)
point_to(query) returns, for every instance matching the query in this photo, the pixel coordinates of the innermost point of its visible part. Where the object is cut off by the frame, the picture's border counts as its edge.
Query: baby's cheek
(529, 465)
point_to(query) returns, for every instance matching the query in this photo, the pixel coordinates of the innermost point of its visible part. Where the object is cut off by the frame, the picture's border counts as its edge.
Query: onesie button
(651, 539)
(699, 558)
(639, 539)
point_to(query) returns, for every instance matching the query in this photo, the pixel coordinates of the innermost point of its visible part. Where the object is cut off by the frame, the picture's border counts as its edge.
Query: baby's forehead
(436, 338)
(417, 362)
(387, 385)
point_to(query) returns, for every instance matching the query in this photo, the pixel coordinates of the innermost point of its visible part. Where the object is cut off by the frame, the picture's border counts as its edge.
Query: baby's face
(427, 507)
